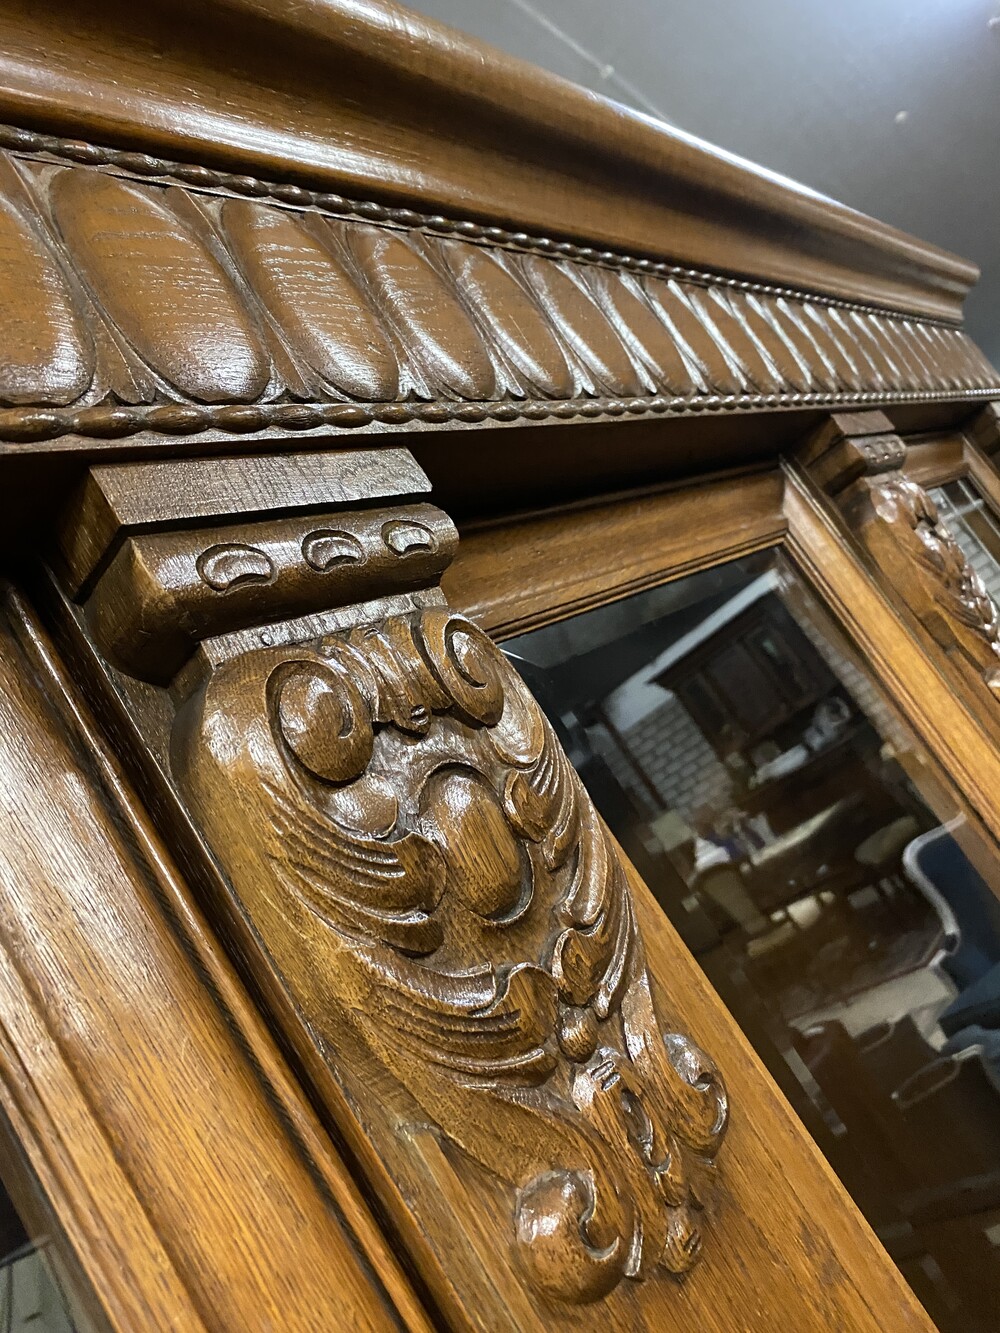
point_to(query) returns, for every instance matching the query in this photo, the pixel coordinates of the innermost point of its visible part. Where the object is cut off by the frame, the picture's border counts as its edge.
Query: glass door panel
(825, 875)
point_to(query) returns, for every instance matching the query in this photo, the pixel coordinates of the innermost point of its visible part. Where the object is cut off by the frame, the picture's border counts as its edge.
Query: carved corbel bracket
(859, 462)
(419, 861)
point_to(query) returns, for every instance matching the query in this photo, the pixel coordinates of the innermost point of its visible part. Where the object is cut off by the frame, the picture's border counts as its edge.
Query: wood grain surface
(166, 305)
(400, 829)
(513, 576)
(185, 1170)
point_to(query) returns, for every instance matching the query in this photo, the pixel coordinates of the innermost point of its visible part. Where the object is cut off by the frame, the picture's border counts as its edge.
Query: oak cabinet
(499, 670)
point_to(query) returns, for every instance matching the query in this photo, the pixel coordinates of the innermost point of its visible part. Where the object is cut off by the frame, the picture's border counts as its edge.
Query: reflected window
(812, 861)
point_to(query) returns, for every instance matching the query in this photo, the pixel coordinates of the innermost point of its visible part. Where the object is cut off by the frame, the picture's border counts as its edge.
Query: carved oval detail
(403, 538)
(832, 344)
(167, 293)
(783, 342)
(435, 328)
(584, 325)
(514, 319)
(884, 372)
(912, 360)
(326, 548)
(647, 336)
(232, 565)
(926, 347)
(947, 367)
(723, 315)
(314, 300)
(325, 723)
(983, 374)
(804, 340)
(47, 353)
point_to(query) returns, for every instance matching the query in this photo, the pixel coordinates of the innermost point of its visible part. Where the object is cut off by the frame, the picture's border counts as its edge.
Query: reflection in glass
(973, 526)
(809, 856)
(31, 1299)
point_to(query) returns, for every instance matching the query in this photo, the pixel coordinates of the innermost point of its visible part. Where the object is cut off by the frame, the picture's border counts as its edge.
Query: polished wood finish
(187, 1176)
(959, 737)
(514, 575)
(377, 102)
(287, 312)
(331, 1000)
(858, 461)
(506, 841)
(291, 757)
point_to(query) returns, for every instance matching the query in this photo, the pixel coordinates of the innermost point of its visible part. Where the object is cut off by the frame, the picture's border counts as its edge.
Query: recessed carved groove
(164, 592)
(323, 549)
(233, 564)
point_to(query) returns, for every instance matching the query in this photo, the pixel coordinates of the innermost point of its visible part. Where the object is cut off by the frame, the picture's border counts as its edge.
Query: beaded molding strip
(155, 296)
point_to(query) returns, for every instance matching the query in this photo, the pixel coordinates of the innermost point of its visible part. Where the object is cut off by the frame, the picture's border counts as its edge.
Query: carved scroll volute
(431, 883)
(424, 865)
(859, 461)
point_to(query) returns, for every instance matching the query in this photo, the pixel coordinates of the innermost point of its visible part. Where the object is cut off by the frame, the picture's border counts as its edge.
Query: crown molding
(369, 99)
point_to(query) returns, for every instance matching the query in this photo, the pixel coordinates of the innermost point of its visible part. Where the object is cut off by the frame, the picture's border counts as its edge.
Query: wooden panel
(186, 1171)
(983, 473)
(110, 504)
(934, 460)
(426, 885)
(520, 574)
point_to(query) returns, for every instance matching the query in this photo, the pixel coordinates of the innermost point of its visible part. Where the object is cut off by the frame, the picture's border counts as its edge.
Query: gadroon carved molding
(154, 296)
(415, 854)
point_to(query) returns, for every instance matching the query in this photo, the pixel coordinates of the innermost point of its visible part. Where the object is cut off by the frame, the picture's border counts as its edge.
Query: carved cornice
(417, 858)
(146, 166)
(367, 98)
(163, 297)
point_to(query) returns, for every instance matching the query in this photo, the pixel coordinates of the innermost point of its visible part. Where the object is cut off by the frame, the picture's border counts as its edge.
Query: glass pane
(973, 526)
(821, 869)
(31, 1296)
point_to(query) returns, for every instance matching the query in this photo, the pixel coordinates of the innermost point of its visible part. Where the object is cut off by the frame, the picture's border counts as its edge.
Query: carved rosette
(411, 842)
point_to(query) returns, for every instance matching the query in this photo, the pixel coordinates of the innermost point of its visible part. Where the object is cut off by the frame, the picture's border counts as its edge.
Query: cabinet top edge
(363, 95)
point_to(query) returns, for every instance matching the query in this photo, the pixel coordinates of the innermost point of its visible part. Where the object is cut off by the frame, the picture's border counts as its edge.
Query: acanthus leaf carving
(860, 462)
(425, 866)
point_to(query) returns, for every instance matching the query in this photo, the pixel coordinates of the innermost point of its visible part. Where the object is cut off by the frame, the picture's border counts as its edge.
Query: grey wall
(891, 106)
